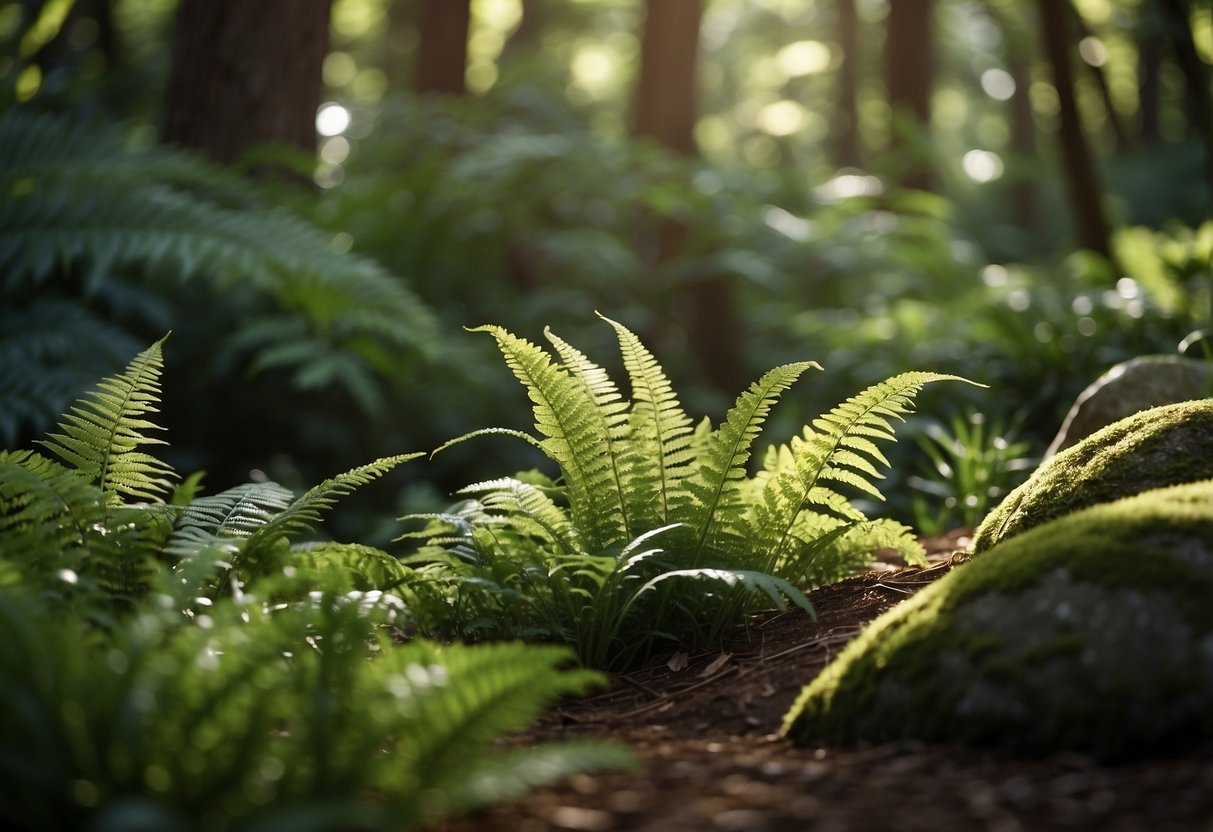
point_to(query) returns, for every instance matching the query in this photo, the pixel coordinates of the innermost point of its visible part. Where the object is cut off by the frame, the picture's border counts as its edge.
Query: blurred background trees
(1015, 191)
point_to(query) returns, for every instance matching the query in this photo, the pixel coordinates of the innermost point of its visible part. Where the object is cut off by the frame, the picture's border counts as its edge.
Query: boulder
(1130, 387)
(1092, 633)
(1152, 449)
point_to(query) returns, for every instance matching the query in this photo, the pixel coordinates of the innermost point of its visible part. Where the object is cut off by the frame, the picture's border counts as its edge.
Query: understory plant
(655, 531)
(176, 661)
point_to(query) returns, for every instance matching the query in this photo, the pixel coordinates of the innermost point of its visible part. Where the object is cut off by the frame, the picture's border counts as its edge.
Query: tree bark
(667, 92)
(846, 131)
(1086, 197)
(666, 110)
(909, 76)
(442, 54)
(246, 73)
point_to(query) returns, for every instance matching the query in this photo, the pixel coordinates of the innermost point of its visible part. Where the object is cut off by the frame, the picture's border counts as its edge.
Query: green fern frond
(610, 410)
(528, 509)
(711, 501)
(223, 521)
(659, 430)
(575, 436)
(838, 449)
(465, 698)
(304, 512)
(101, 434)
(518, 772)
(347, 566)
(774, 588)
(77, 196)
(47, 512)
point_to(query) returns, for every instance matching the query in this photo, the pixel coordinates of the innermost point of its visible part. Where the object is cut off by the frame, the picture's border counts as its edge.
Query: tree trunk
(667, 92)
(846, 130)
(909, 75)
(245, 73)
(1149, 81)
(442, 55)
(666, 110)
(1086, 197)
(1119, 133)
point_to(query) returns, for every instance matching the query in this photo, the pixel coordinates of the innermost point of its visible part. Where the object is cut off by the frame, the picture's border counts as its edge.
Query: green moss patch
(1159, 447)
(1092, 633)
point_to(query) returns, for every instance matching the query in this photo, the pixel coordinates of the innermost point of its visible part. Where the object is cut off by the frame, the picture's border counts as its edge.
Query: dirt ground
(706, 728)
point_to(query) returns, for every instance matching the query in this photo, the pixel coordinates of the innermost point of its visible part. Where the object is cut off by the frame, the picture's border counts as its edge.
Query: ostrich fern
(656, 529)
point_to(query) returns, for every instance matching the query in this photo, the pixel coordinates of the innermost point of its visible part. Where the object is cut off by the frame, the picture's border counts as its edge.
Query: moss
(1156, 448)
(1092, 633)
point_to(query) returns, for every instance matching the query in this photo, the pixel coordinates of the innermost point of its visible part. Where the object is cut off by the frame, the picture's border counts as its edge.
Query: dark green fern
(93, 232)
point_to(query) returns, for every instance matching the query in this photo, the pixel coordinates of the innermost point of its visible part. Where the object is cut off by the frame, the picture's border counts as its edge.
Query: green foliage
(95, 233)
(147, 696)
(655, 531)
(973, 465)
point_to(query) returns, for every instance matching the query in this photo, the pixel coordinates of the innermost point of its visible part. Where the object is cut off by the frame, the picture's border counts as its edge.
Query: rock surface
(1130, 387)
(1093, 633)
(1153, 449)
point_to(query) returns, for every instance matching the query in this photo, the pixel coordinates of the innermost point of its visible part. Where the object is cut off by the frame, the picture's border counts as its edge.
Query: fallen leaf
(678, 661)
(717, 663)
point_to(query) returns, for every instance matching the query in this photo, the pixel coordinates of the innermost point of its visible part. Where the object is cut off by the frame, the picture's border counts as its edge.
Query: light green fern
(564, 562)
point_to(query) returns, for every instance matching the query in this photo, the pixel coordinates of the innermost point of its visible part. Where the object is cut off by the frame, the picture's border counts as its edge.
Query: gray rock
(1130, 387)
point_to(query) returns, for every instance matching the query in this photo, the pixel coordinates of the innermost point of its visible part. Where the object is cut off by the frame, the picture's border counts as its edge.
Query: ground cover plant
(185, 663)
(655, 532)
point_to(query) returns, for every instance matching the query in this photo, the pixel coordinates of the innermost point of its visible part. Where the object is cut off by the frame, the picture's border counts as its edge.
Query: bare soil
(705, 727)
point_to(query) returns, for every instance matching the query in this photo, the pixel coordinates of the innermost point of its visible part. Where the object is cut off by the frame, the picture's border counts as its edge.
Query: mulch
(705, 727)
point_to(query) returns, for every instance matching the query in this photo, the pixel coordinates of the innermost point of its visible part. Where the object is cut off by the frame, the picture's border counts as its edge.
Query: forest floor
(705, 727)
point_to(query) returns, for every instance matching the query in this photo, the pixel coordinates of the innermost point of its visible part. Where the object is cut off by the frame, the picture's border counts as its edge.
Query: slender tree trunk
(1119, 133)
(1149, 78)
(526, 36)
(1086, 197)
(666, 110)
(1023, 139)
(846, 131)
(909, 76)
(245, 73)
(443, 52)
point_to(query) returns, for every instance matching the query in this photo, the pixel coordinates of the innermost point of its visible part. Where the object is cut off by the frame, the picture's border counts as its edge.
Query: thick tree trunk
(443, 52)
(846, 129)
(667, 92)
(1086, 197)
(909, 76)
(666, 110)
(245, 73)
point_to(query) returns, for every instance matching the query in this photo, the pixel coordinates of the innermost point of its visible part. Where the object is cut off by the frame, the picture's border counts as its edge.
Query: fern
(76, 200)
(524, 565)
(102, 432)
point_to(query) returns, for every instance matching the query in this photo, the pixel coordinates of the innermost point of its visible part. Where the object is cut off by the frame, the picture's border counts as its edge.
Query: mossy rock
(1093, 633)
(1159, 447)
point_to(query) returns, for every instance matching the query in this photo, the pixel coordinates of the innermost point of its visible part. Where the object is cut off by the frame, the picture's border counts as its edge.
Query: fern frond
(659, 444)
(464, 698)
(304, 511)
(224, 520)
(517, 434)
(350, 566)
(47, 511)
(514, 774)
(711, 501)
(837, 449)
(103, 208)
(102, 431)
(775, 588)
(575, 437)
(611, 411)
(528, 509)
